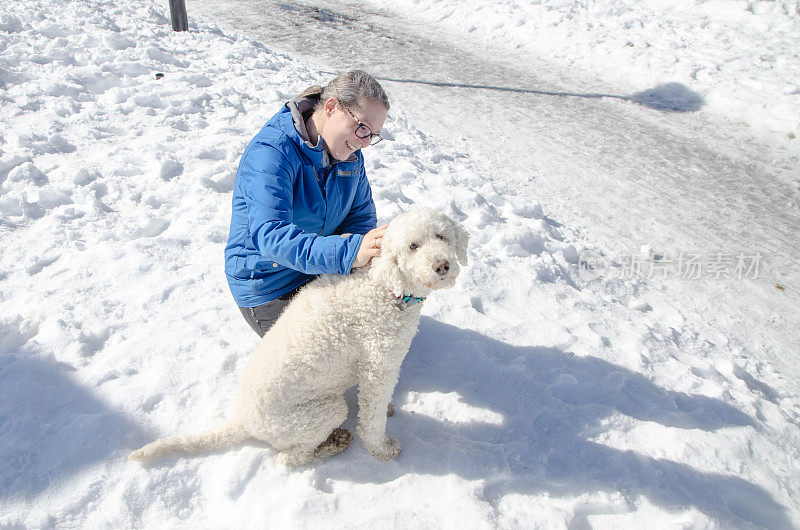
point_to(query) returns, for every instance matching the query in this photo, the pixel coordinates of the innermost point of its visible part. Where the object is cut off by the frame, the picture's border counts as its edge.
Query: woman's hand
(370, 247)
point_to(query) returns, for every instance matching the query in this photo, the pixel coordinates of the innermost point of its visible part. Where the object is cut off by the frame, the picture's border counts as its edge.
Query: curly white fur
(339, 331)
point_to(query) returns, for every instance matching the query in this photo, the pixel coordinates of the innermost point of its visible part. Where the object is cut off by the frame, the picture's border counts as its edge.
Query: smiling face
(339, 128)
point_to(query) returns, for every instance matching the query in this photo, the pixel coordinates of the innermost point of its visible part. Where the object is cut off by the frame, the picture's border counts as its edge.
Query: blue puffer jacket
(296, 212)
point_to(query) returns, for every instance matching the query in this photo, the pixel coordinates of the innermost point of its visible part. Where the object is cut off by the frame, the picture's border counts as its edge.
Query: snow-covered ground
(532, 396)
(743, 56)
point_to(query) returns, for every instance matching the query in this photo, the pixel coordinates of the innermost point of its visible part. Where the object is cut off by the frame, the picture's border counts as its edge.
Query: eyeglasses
(363, 130)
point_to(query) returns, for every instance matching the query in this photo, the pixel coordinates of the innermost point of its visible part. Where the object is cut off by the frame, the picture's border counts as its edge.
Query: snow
(531, 397)
(740, 55)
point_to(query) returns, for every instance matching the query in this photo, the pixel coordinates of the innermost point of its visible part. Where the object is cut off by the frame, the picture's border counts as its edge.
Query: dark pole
(177, 10)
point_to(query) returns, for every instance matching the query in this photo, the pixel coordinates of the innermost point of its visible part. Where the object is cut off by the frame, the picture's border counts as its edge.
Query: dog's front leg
(375, 389)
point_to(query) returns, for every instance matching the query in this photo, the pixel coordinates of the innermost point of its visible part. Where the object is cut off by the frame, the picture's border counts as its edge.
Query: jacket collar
(317, 154)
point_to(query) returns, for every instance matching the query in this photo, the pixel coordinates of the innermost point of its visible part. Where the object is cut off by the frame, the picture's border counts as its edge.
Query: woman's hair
(352, 88)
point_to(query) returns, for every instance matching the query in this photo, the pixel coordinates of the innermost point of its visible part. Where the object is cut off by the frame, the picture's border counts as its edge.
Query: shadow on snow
(50, 426)
(551, 402)
(668, 97)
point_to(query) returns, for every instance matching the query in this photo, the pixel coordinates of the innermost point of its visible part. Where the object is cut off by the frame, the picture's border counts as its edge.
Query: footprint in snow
(223, 185)
(477, 304)
(93, 342)
(212, 154)
(170, 169)
(532, 243)
(529, 211)
(153, 228)
(40, 264)
(27, 174)
(151, 402)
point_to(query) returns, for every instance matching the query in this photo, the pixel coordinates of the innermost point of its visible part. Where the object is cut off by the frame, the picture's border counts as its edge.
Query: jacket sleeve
(267, 177)
(362, 216)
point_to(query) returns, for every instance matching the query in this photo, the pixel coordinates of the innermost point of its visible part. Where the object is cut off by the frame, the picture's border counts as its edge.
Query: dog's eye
(440, 236)
(413, 246)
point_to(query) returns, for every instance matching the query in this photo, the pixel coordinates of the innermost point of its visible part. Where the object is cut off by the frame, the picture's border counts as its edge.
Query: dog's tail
(227, 435)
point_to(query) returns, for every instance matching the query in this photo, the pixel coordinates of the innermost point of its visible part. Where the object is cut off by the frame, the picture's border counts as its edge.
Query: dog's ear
(385, 268)
(461, 242)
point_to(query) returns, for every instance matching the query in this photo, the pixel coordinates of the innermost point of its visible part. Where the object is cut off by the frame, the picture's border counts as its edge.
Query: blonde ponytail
(314, 91)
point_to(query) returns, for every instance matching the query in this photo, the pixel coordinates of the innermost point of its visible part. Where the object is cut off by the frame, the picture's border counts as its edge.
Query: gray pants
(262, 317)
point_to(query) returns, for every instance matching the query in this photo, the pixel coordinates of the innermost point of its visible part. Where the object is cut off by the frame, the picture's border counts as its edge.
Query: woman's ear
(330, 104)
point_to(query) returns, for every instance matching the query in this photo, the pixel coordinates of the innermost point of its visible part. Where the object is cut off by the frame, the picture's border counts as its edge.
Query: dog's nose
(441, 267)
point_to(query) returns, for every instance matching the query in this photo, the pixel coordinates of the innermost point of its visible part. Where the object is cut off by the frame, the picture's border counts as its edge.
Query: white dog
(339, 331)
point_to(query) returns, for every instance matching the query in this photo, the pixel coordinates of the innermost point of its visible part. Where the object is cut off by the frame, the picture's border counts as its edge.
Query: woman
(302, 205)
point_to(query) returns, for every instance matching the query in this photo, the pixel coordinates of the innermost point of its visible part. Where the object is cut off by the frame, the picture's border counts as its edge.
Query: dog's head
(421, 250)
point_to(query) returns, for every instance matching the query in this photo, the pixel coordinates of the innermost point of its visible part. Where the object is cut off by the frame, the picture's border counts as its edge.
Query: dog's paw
(388, 450)
(338, 441)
